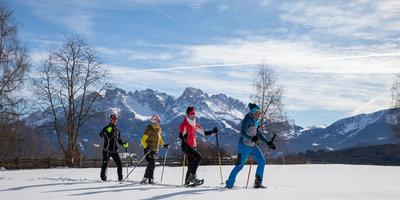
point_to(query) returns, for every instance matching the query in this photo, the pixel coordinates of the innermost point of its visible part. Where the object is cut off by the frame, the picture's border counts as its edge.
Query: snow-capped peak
(346, 125)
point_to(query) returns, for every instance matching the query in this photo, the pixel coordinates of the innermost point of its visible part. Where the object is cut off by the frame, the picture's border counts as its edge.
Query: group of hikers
(250, 133)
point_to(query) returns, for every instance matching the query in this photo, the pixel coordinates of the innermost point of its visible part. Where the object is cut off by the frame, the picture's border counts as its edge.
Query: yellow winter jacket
(152, 137)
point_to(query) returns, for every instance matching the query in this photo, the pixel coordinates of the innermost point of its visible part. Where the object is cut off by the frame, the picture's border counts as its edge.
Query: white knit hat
(155, 118)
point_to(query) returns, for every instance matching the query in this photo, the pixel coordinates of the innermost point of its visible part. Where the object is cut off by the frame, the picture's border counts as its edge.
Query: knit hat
(113, 116)
(155, 118)
(254, 108)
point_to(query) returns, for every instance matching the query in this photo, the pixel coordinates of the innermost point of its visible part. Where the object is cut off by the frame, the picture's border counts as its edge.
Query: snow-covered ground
(291, 182)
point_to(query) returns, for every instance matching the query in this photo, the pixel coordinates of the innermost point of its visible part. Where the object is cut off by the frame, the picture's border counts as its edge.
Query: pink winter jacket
(190, 127)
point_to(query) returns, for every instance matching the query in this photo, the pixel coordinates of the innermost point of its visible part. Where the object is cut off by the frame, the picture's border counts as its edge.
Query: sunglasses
(192, 117)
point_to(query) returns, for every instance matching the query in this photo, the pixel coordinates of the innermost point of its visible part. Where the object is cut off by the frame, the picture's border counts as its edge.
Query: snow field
(283, 181)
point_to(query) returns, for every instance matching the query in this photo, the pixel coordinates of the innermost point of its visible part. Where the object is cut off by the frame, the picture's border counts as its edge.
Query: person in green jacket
(151, 140)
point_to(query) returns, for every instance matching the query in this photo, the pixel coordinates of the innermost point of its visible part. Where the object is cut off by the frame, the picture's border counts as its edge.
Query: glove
(271, 145)
(183, 137)
(125, 144)
(148, 148)
(166, 146)
(101, 134)
(153, 155)
(254, 138)
(109, 129)
(215, 130)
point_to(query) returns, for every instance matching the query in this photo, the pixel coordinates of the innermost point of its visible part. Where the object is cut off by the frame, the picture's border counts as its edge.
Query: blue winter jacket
(249, 129)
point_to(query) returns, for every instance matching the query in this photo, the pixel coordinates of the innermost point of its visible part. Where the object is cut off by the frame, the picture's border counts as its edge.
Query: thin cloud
(126, 69)
(370, 20)
(73, 15)
(149, 56)
(298, 56)
(223, 8)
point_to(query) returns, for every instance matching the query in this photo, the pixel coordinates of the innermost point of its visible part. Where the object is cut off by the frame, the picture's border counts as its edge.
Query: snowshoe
(187, 182)
(193, 181)
(201, 181)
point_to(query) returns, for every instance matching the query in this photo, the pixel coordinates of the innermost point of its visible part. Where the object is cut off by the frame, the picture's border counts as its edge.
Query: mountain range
(359, 130)
(135, 110)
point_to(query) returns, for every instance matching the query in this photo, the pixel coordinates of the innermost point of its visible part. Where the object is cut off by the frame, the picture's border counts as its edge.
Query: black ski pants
(193, 157)
(151, 164)
(117, 160)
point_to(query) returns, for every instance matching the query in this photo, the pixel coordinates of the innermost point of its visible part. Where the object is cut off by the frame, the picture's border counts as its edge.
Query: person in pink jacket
(187, 133)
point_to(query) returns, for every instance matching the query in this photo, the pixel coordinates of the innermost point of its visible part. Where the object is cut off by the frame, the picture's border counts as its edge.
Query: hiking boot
(193, 178)
(228, 187)
(120, 178)
(187, 182)
(259, 185)
(144, 181)
(258, 182)
(151, 181)
(103, 178)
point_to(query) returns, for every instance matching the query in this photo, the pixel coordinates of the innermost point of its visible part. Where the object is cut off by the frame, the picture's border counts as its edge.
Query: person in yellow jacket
(151, 140)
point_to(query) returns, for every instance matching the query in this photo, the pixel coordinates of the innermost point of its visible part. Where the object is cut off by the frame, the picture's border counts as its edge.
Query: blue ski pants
(245, 151)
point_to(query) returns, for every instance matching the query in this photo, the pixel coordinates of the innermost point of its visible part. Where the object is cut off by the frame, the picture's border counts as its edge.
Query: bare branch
(268, 95)
(77, 78)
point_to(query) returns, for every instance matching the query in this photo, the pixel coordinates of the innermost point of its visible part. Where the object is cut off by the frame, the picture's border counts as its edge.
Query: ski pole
(251, 162)
(183, 167)
(165, 158)
(136, 166)
(126, 159)
(219, 159)
(108, 158)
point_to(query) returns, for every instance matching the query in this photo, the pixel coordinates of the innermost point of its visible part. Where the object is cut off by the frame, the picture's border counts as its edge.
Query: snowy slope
(145, 103)
(360, 130)
(308, 182)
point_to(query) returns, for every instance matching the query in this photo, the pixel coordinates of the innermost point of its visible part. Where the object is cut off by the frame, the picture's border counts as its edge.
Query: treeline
(388, 154)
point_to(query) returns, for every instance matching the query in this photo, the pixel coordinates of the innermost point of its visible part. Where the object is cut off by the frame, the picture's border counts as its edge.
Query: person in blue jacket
(249, 135)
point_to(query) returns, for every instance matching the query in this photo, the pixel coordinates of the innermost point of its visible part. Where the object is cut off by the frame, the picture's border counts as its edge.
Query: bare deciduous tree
(70, 80)
(14, 65)
(268, 95)
(395, 109)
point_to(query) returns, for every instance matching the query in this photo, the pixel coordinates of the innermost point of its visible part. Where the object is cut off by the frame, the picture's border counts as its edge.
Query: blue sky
(333, 58)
